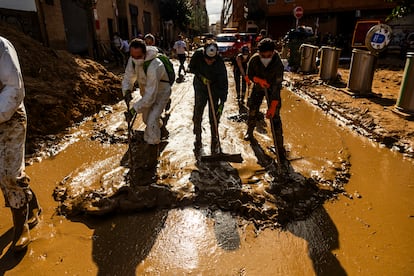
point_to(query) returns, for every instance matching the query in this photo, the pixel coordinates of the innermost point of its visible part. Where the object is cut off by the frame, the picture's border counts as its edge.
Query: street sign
(298, 12)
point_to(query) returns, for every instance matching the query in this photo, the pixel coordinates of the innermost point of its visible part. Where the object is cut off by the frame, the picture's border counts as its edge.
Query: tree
(403, 8)
(179, 11)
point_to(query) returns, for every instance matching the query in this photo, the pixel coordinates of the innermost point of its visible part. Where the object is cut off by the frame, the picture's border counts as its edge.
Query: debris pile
(61, 89)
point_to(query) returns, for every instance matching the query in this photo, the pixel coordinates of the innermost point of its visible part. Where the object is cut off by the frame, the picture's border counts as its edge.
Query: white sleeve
(130, 76)
(153, 77)
(12, 94)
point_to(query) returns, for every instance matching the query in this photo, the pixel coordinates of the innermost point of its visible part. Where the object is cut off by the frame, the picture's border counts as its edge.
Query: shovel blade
(232, 158)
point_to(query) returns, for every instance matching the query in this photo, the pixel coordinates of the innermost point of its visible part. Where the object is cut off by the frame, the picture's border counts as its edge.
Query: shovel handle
(272, 127)
(211, 103)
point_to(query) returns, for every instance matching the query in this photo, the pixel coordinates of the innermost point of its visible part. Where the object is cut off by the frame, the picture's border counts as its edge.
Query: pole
(272, 127)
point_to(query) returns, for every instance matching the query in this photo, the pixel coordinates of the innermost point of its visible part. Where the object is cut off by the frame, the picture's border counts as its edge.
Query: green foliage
(402, 9)
(179, 11)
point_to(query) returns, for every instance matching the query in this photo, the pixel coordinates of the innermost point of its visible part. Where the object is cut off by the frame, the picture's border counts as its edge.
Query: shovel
(272, 127)
(130, 123)
(233, 158)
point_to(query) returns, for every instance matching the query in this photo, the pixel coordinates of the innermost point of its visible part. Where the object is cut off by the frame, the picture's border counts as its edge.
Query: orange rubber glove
(246, 79)
(272, 109)
(262, 82)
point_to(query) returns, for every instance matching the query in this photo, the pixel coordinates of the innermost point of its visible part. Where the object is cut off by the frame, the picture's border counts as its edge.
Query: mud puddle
(366, 231)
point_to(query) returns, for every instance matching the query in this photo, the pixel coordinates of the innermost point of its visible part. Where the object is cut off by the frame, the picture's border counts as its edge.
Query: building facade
(324, 16)
(83, 26)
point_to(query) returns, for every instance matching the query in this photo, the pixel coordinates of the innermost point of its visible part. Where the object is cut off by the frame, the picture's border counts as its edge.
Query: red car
(229, 45)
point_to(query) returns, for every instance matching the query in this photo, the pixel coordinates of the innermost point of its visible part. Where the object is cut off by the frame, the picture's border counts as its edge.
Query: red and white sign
(298, 12)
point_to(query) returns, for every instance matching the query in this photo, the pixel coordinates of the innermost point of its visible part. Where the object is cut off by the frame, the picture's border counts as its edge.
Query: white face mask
(138, 61)
(265, 61)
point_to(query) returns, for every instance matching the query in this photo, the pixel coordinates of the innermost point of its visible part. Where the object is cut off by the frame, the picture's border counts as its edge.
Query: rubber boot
(215, 146)
(21, 236)
(34, 211)
(249, 133)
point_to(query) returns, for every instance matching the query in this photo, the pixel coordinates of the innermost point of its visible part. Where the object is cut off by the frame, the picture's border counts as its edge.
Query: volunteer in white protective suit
(154, 87)
(13, 180)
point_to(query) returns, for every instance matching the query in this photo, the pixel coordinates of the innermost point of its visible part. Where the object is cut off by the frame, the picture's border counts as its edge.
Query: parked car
(229, 45)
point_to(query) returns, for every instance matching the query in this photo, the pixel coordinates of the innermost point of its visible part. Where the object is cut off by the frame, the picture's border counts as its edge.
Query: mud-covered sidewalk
(370, 115)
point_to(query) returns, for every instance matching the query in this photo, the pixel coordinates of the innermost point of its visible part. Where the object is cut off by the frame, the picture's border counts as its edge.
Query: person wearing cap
(209, 70)
(265, 69)
(240, 72)
(149, 40)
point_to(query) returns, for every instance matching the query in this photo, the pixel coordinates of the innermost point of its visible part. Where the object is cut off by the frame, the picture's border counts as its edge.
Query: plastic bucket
(308, 58)
(362, 71)
(329, 62)
(405, 100)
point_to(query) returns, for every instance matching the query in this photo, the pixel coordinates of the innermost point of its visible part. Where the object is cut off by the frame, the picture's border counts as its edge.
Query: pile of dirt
(61, 89)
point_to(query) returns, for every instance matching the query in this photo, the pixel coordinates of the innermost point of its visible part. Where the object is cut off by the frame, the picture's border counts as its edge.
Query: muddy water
(367, 231)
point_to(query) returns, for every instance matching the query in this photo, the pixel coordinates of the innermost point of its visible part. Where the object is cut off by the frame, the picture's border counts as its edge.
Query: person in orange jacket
(265, 69)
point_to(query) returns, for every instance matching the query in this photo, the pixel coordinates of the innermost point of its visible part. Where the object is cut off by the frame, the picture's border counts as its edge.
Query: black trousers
(254, 102)
(181, 58)
(201, 100)
(237, 78)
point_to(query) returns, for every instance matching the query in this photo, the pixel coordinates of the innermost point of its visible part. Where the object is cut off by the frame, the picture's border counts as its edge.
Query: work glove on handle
(219, 110)
(129, 114)
(127, 95)
(262, 82)
(246, 79)
(204, 80)
(272, 109)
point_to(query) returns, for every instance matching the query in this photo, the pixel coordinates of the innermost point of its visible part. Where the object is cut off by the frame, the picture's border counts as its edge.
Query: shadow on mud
(322, 236)
(9, 260)
(120, 243)
(289, 201)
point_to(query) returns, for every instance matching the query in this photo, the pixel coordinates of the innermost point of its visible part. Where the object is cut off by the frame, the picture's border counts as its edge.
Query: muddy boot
(249, 134)
(34, 211)
(21, 237)
(215, 146)
(198, 146)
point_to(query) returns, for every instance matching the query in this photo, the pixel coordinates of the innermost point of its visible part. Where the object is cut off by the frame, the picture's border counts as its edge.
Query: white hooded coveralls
(155, 92)
(13, 180)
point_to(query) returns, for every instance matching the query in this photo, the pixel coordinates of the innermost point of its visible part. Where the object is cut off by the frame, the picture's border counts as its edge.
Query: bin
(362, 71)
(329, 63)
(308, 58)
(405, 100)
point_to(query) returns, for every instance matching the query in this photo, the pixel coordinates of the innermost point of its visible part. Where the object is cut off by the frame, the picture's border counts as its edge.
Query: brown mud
(369, 114)
(281, 198)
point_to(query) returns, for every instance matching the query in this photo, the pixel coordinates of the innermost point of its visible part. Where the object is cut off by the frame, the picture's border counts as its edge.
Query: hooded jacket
(273, 73)
(216, 73)
(11, 85)
(150, 83)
